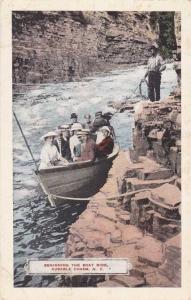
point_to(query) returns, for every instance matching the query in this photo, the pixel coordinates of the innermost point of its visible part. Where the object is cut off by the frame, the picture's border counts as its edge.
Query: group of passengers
(77, 142)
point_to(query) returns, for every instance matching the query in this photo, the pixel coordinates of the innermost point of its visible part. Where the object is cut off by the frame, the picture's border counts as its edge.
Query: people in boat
(105, 147)
(99, 121)
(87, 148)
(107, 116)
(88, 122)
(74, 141)
(62, 141)
(50, 156)
(155, 67)
(74, 119)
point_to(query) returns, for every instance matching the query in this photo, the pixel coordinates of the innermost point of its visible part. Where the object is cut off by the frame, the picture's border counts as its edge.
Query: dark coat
(105, 147)
(98, 122)
(65, 148)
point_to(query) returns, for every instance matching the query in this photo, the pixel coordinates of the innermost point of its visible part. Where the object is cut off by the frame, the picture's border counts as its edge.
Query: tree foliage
(164, 22)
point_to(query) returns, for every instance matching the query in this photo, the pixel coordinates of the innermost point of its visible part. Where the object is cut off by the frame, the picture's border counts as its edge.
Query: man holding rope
(155, 67)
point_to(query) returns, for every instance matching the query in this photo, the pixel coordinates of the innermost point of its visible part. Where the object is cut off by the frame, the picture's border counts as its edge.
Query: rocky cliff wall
(62, 46)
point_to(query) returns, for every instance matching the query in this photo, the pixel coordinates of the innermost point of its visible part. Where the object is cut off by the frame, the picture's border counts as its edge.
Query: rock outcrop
(62, 46)
(143, 223)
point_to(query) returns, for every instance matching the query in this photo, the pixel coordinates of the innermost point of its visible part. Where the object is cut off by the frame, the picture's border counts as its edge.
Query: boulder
(97, 240)
(124, 251)
(167, 194)
(124, 219)
(108, 213)
(137, 184)
(102, 224)
(150, 251)
(153, 174)
(116, 236)
(130, 233)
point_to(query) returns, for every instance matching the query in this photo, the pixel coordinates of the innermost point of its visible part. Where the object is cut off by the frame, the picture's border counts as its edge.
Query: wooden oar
(26, 143)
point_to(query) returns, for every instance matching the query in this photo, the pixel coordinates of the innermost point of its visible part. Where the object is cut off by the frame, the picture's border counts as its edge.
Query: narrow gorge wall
(177, 23)
(62, 46)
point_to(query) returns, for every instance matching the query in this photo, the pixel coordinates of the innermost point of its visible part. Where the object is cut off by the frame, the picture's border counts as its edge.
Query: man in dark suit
(98, 122)
(62, 142)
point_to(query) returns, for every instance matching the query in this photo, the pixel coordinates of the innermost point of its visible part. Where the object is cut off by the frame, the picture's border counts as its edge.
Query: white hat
(63, 127)
(48, 134)
(76, 126)
(84, 132)
(105, 128)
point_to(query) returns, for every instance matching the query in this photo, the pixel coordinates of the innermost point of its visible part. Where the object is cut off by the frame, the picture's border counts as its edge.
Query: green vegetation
(163, 22)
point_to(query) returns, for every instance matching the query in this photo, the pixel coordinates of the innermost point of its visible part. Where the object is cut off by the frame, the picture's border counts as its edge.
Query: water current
(40, 231)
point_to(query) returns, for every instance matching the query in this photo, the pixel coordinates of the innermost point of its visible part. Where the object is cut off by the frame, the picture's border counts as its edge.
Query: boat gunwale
(80, 165)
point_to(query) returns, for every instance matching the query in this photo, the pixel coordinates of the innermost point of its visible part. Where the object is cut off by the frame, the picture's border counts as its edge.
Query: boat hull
(77, 180)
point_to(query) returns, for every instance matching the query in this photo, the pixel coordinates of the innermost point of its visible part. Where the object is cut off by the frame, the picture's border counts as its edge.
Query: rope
(102, 198)
(133, 93)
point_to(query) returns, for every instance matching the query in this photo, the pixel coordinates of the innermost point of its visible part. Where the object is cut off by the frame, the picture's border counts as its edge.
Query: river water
(40, 231)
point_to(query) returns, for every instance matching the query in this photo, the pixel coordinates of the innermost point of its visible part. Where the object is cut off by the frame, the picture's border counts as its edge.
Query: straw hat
(48, 134)
(76, 126)
(63, 127)
(83, 132)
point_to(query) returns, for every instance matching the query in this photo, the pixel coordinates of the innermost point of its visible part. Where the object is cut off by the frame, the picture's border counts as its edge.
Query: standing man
(88, 122)
(155, 67)
(74, 119)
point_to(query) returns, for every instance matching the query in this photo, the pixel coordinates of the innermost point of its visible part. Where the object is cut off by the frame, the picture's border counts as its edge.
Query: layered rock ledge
(144, 223)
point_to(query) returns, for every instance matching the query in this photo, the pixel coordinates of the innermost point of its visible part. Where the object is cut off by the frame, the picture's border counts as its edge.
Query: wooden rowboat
(76, 181)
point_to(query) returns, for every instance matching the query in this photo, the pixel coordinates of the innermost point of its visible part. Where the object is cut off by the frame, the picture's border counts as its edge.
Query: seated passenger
(88, 122)
(74, 119)
(99, 136)
(98, 122)
(105, 147)
(107, 116)
(87, 147)
(74, 141)
(50, 156)
(62, 142)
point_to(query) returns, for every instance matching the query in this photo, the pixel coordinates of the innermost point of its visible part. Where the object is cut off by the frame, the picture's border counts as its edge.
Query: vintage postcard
(95, 143)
